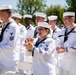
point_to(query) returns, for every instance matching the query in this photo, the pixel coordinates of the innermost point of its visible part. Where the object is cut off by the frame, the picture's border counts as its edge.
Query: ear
(48, 31)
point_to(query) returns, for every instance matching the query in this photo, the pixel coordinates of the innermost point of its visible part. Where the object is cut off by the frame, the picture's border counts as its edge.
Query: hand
(60, 50)
(30, 39)
(29, 46)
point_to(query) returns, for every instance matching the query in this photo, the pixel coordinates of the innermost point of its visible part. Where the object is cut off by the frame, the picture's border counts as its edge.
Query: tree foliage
(71, 5)
(30, 6)
(56, 10)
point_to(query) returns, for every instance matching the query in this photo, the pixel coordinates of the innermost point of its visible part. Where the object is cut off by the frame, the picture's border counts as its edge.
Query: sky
(49, 2)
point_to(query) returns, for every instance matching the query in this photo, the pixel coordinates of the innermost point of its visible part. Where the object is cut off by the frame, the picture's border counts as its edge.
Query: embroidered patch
(47, 45)
(46, 49)
(11, 37)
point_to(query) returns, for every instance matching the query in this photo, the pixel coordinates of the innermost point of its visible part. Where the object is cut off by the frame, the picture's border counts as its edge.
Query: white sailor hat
(27, 16)
(40, 14)
(68, 14)
(16, 15)
(52, 17)
(4, 7)
(44, 24)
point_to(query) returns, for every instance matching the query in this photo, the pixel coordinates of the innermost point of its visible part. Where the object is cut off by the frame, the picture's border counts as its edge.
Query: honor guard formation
(43, 49)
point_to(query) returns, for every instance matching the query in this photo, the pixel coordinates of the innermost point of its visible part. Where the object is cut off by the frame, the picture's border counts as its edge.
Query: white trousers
(68, 67)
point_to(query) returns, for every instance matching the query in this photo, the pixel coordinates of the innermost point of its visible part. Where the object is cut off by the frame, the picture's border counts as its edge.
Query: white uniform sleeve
(46, 49)
(72, 48)
(10, 38)
(23, 33)
(59, 42)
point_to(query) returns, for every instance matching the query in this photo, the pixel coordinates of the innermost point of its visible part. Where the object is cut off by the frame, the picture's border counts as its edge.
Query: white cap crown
(4, 7)
(68, 14)
(27, 16)
(16, 15)
(52, 17)
(44, 24)
(40, 14)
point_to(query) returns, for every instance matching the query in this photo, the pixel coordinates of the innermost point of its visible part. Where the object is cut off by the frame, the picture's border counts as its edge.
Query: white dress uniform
(30, 31)
(36, 32)
(23, 33)
(10, 48)
(55, 33)
(43, 60)
(68, 61)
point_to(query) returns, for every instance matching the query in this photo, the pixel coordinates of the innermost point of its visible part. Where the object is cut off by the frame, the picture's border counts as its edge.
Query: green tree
(56, 10)
(30, 6)
(71, 5)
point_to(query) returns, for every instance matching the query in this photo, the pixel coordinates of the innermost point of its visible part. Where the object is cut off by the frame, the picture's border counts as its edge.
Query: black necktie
(66, 34)
(2, 31)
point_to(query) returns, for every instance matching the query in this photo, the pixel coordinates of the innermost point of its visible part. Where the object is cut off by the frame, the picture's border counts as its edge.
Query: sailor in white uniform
(17, 17)
(43, 49)
(53, 22)
(30, 28)
(40, 17)
(9, 41)
(55, 33)
(67, 45)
